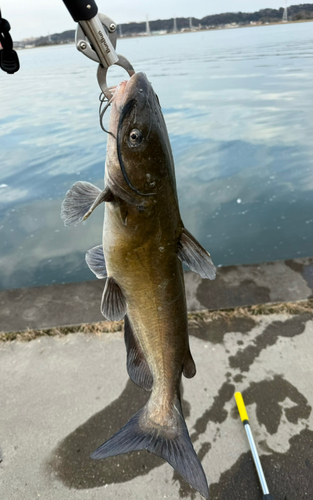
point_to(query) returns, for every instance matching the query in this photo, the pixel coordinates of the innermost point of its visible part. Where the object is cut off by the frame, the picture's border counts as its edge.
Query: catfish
(143, 248)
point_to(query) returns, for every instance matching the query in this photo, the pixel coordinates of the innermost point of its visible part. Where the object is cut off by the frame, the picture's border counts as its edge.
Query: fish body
(140, 245)
(144, 245)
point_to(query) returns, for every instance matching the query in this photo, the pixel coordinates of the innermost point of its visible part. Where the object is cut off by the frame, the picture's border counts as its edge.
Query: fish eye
(135, 137)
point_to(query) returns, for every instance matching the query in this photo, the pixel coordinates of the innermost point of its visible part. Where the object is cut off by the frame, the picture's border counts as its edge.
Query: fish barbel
(144, 245)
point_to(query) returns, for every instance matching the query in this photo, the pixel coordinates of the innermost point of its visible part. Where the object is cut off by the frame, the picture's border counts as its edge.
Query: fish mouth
(138, 84)
(118, 89)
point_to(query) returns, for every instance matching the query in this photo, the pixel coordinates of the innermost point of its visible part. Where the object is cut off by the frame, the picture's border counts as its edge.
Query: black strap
(8, 57)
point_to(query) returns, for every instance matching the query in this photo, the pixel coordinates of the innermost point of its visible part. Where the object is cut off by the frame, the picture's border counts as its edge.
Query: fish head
(139, 158)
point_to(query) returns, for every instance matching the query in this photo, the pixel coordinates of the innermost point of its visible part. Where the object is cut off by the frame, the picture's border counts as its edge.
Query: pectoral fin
(190, 252)
(113, 303)
(105, 195)
(95, 261)
(81, 200)
(137, 366)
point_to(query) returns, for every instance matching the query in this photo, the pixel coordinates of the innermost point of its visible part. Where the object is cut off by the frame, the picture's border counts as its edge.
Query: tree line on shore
(295, 13)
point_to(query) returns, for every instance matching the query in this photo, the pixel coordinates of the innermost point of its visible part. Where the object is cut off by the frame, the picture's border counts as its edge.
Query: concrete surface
(62, 397)
(77, 303)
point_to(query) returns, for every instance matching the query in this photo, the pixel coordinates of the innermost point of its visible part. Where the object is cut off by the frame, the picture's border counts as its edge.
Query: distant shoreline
(218, 28)
(198, 30)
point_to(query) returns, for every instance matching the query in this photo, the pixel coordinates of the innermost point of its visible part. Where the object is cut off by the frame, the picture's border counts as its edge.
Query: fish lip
(127, 89)
(120, 89)
(119, 93)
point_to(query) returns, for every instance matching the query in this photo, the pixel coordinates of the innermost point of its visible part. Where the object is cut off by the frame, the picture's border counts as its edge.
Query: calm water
(239, 109)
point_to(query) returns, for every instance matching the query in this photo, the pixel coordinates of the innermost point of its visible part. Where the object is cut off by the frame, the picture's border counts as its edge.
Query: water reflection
(239, 112)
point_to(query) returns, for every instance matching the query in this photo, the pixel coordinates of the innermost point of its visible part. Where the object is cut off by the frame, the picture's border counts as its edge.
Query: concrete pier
(63, 396)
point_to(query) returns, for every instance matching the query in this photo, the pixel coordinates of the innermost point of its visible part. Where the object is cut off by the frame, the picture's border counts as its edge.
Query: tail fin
(177, 450)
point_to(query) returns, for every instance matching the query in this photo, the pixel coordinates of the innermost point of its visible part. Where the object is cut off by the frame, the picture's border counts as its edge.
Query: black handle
(81, 10)
(8, 57)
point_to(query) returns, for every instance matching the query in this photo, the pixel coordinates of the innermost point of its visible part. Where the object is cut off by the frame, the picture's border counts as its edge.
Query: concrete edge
(70, 304)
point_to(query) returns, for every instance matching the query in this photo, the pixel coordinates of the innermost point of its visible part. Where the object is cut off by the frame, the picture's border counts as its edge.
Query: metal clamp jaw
(96, 39)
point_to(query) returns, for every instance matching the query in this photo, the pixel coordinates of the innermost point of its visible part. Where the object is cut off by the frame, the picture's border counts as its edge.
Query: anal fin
(193, 254)
(113, 303)
(189, 367)
(81, 200)
(95, 261)
(137, 366)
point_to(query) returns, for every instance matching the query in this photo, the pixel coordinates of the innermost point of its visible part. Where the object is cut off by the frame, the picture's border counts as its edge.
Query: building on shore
(148, 31)
(285, 13)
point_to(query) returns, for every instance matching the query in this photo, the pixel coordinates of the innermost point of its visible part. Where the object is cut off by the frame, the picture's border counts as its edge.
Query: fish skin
(144, 241)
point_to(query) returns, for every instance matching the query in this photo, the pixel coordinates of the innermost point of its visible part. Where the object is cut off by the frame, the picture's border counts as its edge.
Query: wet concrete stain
(214, 331)
(306, 270)
(289, 475)
(289, 328)
(70, 462)
(308, 275)
(238, 378)
(216, 413)
(268, 396)
(263, 446)
(218, 294)
(295, 266)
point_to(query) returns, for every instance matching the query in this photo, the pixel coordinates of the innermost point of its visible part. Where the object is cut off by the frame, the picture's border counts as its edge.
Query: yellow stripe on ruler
(241, 406)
